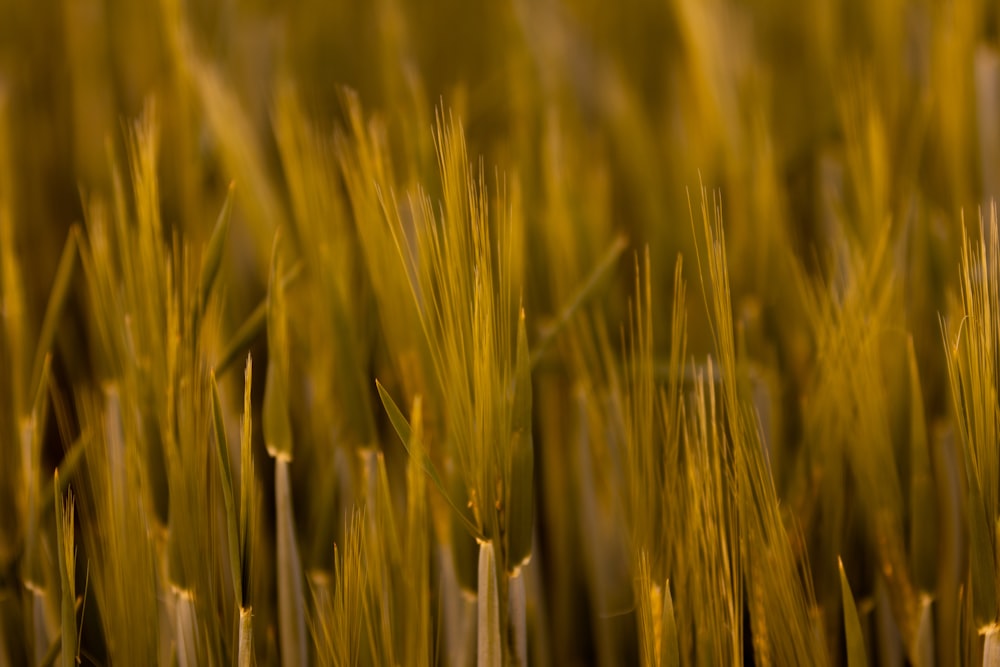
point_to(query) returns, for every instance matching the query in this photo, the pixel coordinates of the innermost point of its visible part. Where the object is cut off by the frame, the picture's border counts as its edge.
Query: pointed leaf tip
(856, 656)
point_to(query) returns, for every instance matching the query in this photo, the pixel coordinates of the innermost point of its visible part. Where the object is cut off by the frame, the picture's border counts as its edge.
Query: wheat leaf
(521, 500)
(212, 259)
(856, 656)
(225, 471)
(402, 429)
(53, 310)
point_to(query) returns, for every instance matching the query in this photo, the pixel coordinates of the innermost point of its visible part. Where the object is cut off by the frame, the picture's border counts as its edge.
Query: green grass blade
(490, 652)
(856, 656)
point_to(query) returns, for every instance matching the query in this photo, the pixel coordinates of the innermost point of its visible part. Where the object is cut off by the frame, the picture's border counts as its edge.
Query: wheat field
(549, 332)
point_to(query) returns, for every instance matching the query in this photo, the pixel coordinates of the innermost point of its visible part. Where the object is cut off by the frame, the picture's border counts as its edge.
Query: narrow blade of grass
(856, 656)
(69, 466)
(212, 259)
(251, 327)
(248, 492)
(225, 472)
(604, 266)
(521, 498)
(276, 421)
(402, 428)
(32, 436)
(53, 310)
(243, 338)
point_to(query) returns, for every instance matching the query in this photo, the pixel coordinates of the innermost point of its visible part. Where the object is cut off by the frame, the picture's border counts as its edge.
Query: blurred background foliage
(844, 146)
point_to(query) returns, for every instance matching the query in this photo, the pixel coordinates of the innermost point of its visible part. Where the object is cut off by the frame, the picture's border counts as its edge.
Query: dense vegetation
(552, 332)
